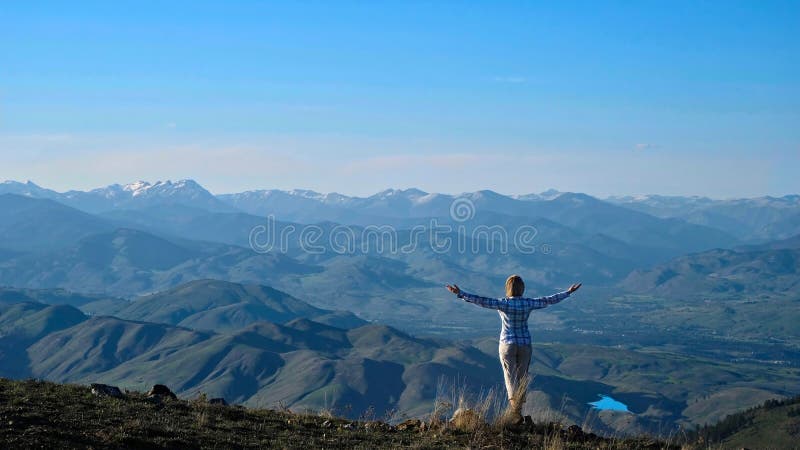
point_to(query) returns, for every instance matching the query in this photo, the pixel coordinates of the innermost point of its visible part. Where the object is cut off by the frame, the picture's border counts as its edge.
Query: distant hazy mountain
(27, 189)
(131, 196)
(405, 207)
(128, 262)
(750, 219)
(716, 222)
(161, 248)
(788, 243)
(33, 224)
(193, 223)
(53, 297)
(130, 251)
(721, 271)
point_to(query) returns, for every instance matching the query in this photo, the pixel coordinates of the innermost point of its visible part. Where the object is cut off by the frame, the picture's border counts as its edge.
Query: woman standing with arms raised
(515, 338)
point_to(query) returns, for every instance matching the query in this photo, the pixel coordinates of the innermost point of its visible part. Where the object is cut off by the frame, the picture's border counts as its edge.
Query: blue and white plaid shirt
(514, 312)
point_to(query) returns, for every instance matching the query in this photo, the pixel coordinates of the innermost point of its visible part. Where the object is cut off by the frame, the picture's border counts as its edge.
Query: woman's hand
(454, 289)
(574, 287)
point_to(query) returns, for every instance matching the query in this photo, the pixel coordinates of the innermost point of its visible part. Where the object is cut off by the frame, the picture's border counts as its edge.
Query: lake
(607, 403)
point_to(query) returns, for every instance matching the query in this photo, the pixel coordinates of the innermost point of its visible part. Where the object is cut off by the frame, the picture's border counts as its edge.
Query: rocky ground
(35, 414)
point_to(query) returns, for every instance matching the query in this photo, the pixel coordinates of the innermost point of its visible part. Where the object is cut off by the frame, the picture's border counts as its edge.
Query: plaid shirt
(514, 312)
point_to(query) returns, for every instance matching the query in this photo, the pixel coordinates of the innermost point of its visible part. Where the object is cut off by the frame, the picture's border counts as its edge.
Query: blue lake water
(607, 403)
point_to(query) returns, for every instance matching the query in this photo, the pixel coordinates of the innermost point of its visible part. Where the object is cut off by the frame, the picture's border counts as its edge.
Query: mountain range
(140, 194)
(753, 219)
(157, 282)
(748, 219)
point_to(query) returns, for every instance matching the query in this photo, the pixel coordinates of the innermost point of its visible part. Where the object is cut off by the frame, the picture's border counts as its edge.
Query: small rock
(326, 424)
(410, 424)
(159, 390)
(218, 401)
(104, 390)
(348, 426)
(377, 426)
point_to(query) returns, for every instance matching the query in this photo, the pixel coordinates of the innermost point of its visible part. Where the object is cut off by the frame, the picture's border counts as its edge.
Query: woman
(515, 339)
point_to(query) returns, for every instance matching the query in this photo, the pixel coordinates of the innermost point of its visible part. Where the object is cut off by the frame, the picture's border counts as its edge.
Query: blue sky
(599, 97)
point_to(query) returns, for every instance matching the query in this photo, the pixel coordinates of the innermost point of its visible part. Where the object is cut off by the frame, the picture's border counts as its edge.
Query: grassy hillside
(305, 364)
(223, 306)
(774, 424)
(721, 271)
(39, 414)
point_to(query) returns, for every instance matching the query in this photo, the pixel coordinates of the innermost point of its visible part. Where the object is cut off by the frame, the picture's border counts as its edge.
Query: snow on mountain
(676, 206)
(138, 195)
(756, 219)
(299, 203)
(751, 220)
(549, 194)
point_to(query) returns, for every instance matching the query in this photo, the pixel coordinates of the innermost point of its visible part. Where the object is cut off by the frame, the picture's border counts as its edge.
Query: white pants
(515, 360)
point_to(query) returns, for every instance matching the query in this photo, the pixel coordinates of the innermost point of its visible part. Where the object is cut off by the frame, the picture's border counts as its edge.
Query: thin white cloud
(514, 79)
(646, 146)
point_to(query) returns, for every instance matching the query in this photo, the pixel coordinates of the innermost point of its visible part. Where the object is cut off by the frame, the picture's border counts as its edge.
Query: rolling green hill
(223, 306)
(86, 302)
(301, 364)
(128, 262)
(721, 272)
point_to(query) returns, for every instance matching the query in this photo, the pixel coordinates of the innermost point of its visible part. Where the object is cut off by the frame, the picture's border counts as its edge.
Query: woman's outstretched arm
(543, 302)
(486, 302)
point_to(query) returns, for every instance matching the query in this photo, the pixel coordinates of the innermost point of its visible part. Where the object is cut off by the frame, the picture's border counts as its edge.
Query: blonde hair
(515, 287)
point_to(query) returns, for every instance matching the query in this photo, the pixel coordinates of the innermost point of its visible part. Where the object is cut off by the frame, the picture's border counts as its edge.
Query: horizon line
(291, 191)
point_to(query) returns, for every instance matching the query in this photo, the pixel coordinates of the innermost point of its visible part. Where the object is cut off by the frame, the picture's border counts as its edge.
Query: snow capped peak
(486, 194)
(160, 188)
(306, 193)
(549, 194)
(186, 183)
(335, 197)
(411, 193)
(386, 193)
(428, 198)
(137, 188)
